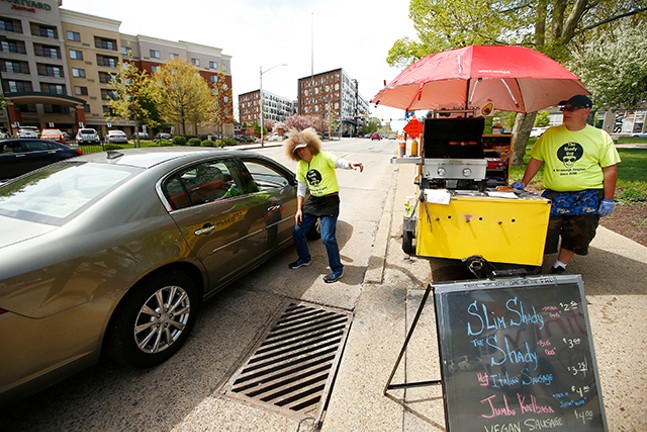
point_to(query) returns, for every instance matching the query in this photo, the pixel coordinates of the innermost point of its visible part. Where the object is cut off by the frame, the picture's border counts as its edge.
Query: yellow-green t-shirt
(573, 160)
(319, 174)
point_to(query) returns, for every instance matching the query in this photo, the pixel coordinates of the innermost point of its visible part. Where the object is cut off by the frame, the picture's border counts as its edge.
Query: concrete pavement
(616, 289)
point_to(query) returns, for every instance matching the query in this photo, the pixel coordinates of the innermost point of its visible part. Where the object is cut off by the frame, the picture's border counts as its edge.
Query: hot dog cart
(465, 208)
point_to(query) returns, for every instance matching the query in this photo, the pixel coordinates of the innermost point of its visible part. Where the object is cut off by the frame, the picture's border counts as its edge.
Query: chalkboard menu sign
(517, 355)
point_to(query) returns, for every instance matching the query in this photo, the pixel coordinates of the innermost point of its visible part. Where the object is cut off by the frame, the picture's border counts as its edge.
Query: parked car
(149, 234)
(27, 132)
(163, 136)
(22, 155)
(117, 137)
(53, 135)
(142, 136)
(537, 131)
(87, 136)
(4, 133)
(375, 136)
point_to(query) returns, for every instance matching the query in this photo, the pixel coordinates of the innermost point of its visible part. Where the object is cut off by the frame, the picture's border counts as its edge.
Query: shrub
(632, 194)
(164, 143)
(112, 147)
(206, 143)
(219, 143)
(194, 142)
(179, 140)
(229, 142)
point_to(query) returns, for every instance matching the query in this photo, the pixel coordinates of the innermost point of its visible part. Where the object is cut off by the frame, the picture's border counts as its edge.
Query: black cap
(578, 101)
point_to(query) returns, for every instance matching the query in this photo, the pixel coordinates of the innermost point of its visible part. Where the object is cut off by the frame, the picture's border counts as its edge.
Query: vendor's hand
(606, 207)
(298, 217)
(357, 165)
(518, 186)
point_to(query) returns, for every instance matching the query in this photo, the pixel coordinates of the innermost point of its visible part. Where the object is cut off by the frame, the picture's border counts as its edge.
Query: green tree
(134, 97)
(553, 27)
(542, 119)
(613, 64)
(185, 97)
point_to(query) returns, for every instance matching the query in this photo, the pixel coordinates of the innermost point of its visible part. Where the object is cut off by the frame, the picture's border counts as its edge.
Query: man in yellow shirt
(316, 172)
(580, 179)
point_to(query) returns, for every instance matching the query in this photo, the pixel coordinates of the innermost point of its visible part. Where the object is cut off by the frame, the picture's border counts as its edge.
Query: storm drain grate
(295, 365)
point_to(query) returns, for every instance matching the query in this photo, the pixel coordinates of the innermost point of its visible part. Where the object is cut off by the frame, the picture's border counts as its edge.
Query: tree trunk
(522, 127)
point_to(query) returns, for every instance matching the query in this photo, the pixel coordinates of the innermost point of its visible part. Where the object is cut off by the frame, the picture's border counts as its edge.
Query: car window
(37, 146)
(264, 176)
(13, 147)
(203, 183)
(58, 192)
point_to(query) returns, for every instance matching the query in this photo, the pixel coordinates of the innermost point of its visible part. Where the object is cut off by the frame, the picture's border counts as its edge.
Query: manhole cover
(294, 366)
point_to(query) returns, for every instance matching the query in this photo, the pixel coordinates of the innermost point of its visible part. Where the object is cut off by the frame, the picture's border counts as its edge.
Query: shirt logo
(314, 177)
(570, 153)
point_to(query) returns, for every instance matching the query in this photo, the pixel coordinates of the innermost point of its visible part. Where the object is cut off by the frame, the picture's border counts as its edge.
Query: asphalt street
(381, 289)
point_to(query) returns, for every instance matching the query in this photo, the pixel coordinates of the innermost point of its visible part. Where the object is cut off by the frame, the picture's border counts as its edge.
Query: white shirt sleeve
(301, 189)
(342, 163)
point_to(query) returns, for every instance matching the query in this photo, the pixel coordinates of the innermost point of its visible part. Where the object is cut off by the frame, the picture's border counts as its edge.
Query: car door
(277, 189)
(220, 217)
(15, 160)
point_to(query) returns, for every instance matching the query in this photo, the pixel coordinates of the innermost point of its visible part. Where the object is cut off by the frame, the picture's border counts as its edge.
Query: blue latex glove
(606, 207)
(518, 185)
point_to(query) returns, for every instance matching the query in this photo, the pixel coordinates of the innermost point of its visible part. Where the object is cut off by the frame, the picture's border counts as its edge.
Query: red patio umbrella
(507, 78)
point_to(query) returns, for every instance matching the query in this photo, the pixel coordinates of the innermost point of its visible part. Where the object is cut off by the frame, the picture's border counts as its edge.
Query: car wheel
(153, 321)
(315, 231)
(407, 242)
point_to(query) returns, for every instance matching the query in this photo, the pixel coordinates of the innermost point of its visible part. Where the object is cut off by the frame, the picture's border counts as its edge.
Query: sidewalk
(616, 290)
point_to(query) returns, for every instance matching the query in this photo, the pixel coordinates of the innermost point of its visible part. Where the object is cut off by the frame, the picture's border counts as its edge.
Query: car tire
(140, 338)
(407, 242)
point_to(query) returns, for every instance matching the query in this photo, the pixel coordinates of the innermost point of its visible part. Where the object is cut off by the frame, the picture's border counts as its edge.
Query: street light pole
(261, 101)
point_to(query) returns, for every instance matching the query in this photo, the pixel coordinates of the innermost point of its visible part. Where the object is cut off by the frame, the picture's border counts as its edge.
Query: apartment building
(56, 66)
(334, 97)
(275, 107)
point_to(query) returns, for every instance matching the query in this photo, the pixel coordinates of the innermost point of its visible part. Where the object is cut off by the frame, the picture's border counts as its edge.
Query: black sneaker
(299, 263)
(334, 276)
(557, 270)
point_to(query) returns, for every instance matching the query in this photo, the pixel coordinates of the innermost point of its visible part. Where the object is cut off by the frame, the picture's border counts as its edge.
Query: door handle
(205, 230)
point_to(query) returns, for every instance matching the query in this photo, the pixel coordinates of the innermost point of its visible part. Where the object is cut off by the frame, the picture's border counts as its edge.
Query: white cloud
(353, 35)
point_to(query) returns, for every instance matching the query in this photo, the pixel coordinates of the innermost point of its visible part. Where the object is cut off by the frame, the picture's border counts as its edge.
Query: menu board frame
(517, 355)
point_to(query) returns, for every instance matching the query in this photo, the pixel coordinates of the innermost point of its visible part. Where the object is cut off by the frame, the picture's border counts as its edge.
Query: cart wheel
(407, 242)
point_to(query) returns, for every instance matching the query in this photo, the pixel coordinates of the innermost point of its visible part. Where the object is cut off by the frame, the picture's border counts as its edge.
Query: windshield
(59, 192)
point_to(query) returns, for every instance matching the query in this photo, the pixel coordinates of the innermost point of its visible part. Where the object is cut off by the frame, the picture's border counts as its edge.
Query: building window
(50, 70)
(155, 68)
(50, 52)
(213, 65)
(86, 108)
(213, 78)
(53, 88)
(173, 55)
(105, 44)
(13, 47)
(73, 36)
(47, 32)
(224, 68)
(76, 54)
(154, 54)
(78, 73)
(80, 91)
(105, 77)
(195, 62)
(10, 25)
(55, 109)
(15, 67)
(107, 61)
(18, 86)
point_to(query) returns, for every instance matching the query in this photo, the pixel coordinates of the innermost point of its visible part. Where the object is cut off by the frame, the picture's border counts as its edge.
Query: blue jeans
(328, 237)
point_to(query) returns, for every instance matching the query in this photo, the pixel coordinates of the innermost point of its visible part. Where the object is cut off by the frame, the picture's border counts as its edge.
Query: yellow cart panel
(498, 229)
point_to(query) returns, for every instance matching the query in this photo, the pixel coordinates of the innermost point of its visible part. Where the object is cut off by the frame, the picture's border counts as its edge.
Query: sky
(307, 35)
